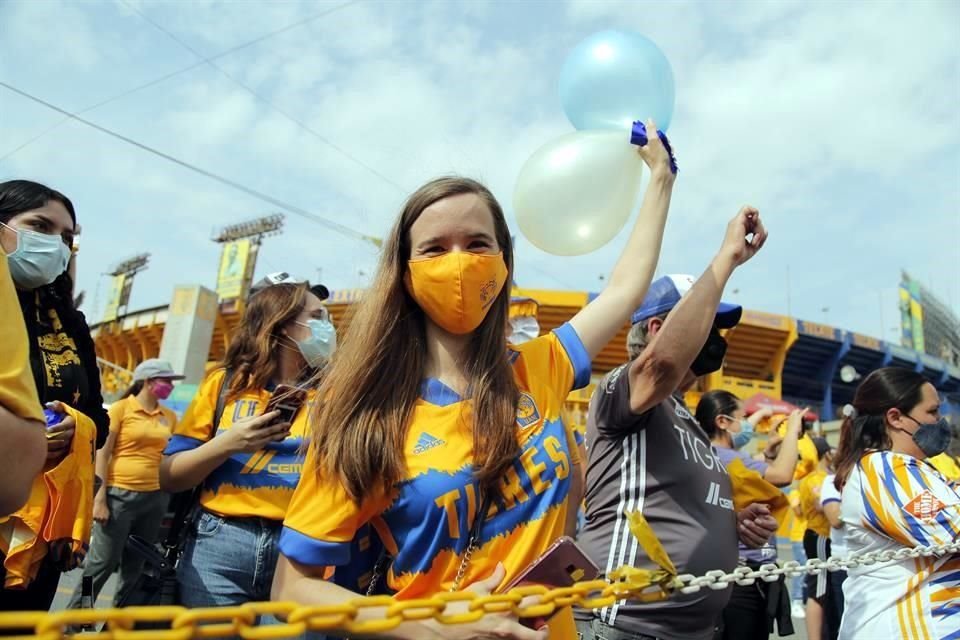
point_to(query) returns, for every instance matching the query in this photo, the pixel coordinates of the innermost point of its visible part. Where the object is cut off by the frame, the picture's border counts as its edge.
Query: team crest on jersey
(924, 507)
(527, 412)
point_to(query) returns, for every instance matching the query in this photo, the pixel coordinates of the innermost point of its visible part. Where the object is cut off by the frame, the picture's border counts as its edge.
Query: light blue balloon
(615, 77)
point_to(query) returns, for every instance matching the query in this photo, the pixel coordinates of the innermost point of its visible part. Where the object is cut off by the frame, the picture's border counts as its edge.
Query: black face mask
(711, 356)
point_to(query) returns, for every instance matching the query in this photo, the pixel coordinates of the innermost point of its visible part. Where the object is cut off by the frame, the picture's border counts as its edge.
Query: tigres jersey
(425, 521)
(247, 484)
(892, 501)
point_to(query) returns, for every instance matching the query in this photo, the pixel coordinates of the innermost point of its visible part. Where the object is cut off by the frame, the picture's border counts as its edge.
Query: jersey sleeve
(322, 520)
(197, 425)
(610, 412)
(908, 501)
(116, 412)
(828, 491)
(560, 358)
(18, 391)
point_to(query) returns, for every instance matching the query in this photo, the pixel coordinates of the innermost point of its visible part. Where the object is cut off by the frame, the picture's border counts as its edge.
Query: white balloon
(575, 193)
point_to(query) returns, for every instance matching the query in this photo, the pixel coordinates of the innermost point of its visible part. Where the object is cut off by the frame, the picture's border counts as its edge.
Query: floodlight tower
(241, 244)
(123, 274)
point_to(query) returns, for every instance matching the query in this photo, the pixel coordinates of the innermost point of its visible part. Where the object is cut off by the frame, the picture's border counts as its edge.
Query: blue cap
(665, 293)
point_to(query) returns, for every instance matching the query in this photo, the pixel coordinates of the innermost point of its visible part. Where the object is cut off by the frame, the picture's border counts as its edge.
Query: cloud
(837, 120)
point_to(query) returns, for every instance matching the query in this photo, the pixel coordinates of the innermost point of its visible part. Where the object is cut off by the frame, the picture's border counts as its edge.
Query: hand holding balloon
(613, 78)
(639, 137)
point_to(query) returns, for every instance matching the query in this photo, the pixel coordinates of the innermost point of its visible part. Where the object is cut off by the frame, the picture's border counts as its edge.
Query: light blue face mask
(745, 434)
(322, 343)
(38, 260)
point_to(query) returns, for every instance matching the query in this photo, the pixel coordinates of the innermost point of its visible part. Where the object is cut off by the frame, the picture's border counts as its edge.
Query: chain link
(383, 613)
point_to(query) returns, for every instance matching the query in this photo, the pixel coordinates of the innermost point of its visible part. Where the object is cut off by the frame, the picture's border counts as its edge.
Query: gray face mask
(38, 260)
(932, 438)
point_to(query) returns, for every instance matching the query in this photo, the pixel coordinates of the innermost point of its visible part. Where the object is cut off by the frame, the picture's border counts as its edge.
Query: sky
(838, 120)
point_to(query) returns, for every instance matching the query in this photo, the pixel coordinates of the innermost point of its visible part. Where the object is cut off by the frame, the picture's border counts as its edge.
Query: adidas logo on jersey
(713, 497)
(427, 442)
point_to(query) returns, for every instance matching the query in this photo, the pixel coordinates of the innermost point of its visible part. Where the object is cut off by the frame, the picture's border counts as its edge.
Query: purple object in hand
(53, 418)
(638, 136)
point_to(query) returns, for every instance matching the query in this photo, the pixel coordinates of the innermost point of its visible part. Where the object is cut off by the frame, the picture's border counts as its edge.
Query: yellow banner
(118, 291)
(233, 269)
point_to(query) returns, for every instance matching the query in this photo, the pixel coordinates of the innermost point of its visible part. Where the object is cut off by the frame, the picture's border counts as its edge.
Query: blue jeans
(228, 561)
(796, 582)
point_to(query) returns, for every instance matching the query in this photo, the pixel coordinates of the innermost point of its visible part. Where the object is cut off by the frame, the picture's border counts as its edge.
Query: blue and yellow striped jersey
(247, 484)
(893, 501)
(426, 520)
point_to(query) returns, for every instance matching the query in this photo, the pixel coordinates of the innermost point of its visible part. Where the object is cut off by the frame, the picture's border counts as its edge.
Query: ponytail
(134, 389)
(858, 436)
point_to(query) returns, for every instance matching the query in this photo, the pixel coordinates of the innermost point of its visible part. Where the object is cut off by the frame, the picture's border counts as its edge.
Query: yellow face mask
(458, 288)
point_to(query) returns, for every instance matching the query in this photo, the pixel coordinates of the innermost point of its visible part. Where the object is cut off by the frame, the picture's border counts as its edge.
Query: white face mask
(38, 260)
(320, 346)
(523, 329)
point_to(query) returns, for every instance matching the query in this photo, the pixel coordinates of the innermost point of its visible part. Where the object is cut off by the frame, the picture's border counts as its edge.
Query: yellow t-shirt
(141, 437)
(247, 484)
(947, 465)
(425, 522)
(18, 392)
(810, 503)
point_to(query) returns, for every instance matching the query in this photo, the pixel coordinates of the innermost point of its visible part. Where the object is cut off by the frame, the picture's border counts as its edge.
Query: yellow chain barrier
(362, 615)
(376, 614)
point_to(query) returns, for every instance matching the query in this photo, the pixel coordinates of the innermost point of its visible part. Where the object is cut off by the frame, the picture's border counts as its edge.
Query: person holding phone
(445, 439)
(249, 464)
(37, 227)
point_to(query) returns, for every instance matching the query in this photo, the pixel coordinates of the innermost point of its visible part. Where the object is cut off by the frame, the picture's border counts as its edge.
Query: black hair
(712, 405)
(17, 196)
(882, 390)
(133, 390)
(20, 196)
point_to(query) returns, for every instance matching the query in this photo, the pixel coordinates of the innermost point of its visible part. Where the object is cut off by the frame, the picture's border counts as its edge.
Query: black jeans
(745, 616)
(37, 597)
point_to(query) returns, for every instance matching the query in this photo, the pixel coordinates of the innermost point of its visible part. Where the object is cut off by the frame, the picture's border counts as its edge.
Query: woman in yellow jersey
(250, 462)
(443, 438)
(816, 540)
(892, 499)
(130, 501)
(37, 227)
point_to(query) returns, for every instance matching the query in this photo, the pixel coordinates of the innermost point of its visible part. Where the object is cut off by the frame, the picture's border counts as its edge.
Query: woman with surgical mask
(248, 463)
(439, 435)
(721, 414)
(893, 500)
(130, 502)
(37, 227)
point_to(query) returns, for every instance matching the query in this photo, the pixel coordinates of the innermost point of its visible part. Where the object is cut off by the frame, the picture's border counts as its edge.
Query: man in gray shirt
(647, 453)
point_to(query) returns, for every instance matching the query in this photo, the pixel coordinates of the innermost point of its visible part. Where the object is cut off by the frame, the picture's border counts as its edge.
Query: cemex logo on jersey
(713, 497)
(924, 507)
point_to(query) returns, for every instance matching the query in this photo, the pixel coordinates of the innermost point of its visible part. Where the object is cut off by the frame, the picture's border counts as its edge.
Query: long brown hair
(252, 355)
(359, 432)
(882, 390)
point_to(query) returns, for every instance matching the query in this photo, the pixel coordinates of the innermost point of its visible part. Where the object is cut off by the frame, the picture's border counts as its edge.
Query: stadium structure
(771, 357)
(772, 360)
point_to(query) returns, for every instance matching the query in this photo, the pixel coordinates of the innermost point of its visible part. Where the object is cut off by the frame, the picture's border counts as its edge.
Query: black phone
(288, 400)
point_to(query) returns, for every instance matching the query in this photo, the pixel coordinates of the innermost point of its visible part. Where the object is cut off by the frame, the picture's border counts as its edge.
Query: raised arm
(658, 371)
(780, 471)
(599, 321)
